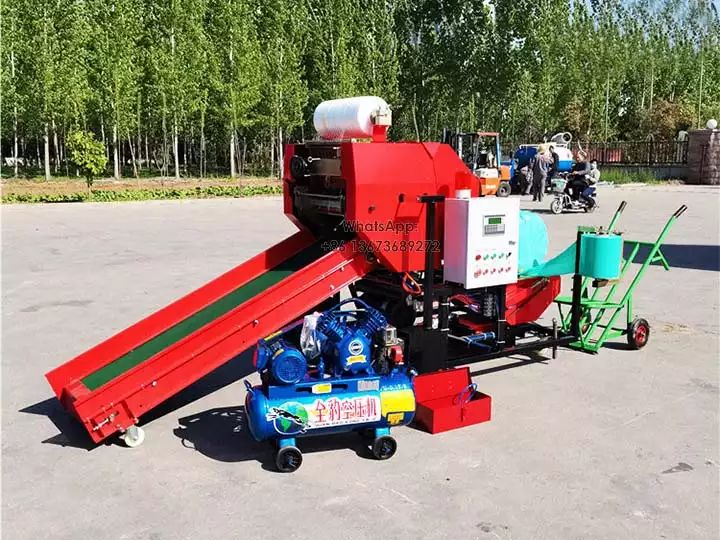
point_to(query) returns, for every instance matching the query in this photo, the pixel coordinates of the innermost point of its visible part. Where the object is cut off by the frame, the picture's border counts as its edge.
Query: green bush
(88, 154)
(619, 176)
(144, 194)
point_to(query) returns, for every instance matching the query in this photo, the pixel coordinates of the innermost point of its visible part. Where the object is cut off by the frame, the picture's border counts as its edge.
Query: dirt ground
(64, 185)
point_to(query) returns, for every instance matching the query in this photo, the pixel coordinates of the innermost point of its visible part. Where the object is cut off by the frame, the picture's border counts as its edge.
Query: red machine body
(380, 184)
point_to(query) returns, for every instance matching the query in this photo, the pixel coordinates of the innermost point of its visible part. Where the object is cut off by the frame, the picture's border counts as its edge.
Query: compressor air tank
(331, 406)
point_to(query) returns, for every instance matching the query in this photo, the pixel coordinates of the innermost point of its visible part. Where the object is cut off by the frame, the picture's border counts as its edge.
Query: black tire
(384, 447)
(556, 206)
(590, 209)
(638, 333)
(288, 459)
(504, 189)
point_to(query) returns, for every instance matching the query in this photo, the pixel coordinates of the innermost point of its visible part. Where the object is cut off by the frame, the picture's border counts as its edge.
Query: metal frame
(594, 307)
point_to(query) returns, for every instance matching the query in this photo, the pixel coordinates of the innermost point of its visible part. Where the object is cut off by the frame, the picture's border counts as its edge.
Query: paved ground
(623, 445)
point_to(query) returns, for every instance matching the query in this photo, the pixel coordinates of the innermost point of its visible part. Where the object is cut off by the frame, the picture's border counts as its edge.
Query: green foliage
(87, 154)
(620, 176)
(144, 194)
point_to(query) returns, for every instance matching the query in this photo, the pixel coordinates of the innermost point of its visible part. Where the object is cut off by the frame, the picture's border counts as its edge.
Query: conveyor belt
(201, 318)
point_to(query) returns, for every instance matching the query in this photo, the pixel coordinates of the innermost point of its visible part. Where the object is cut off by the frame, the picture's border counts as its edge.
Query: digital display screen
(494, 221)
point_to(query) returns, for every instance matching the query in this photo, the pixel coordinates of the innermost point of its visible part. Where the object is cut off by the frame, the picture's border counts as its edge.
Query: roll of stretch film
(601, 255)
(600, 258)
(347, 118)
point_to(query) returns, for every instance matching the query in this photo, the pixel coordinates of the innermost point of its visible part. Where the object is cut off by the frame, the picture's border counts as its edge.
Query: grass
(31, 190)
(619, 176)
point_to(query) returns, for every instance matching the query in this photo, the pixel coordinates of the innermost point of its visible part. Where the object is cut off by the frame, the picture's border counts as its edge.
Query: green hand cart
(598, 311)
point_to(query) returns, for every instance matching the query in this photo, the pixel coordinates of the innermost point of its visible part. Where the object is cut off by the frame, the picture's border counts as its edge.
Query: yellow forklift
(480, 151)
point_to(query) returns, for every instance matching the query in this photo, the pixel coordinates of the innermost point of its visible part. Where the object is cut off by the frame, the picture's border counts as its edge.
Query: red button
(478, 257)
(509, 268)
(485, 272)
(493, 270)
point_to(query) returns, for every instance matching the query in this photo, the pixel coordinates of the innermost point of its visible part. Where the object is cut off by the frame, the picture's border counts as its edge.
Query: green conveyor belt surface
(201, 318)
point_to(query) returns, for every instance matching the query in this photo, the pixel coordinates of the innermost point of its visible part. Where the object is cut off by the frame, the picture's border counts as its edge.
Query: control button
(485, 257)
(493, 255)
(486, 271)
(493, 270)
(500, 256)
(501, 270)
(509, 268)
(509, 253)
(478, 257)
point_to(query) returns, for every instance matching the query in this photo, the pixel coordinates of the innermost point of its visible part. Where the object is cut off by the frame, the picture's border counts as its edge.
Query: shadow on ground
(73, 434)
(694, 257)
(221, 434)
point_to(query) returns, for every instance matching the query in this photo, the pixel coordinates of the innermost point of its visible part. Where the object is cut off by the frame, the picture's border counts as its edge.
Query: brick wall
(703, 165)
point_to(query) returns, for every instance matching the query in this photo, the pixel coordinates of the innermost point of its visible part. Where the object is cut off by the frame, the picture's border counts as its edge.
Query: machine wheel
(638, 333)
(556, 206)
(504, 189)
(288, 459)
(133, 437)
(590, 209)
(384, 447)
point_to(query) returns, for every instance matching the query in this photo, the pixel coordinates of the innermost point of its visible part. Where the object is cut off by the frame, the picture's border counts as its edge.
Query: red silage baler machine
(372, 218)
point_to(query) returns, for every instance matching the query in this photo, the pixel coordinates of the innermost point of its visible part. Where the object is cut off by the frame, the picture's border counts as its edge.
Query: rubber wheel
(590, 209)
(384, 447)
(504, 189)
(288, 459)
(556, 207)
(638, 333)
(133, 437)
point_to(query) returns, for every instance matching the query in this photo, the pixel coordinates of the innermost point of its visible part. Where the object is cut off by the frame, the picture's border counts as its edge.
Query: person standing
(555, 164)
(541, 168)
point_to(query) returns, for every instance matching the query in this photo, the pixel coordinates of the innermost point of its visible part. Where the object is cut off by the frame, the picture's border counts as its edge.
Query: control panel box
(481, 241)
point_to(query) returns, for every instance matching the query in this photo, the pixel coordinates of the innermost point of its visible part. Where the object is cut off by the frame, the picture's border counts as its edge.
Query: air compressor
(339, 371)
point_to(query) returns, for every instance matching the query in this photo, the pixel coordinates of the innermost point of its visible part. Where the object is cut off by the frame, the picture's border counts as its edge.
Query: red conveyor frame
(119, 403)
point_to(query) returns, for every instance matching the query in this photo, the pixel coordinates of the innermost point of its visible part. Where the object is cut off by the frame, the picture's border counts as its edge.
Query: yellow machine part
(397, 401)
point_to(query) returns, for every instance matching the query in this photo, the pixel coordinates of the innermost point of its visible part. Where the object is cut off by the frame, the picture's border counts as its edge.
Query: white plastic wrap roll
(348, 118)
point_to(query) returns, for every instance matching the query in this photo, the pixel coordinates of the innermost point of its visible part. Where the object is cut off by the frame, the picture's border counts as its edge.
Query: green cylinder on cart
(601, 255)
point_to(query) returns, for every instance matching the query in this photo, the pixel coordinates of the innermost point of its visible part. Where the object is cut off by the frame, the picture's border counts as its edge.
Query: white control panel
(481, 241)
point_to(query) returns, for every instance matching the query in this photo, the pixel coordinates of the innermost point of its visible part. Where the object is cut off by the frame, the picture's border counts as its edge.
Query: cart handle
(622, 206)
(680, 211)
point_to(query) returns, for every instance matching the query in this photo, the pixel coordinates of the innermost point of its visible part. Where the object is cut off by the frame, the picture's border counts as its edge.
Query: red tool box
(449, 400)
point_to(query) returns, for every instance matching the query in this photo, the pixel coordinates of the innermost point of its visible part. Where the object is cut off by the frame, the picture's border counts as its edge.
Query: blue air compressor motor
(340, 371)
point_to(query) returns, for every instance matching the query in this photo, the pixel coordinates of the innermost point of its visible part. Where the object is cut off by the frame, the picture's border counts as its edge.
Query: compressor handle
(680, 211)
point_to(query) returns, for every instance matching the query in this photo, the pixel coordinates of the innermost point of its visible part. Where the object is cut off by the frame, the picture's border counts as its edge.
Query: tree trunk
(15, 141)
(147, 153)
(175, 149)
(414, 117)
(244, 156)
(46, 140)
(281, 156)
(56, 146)
(185, 146)
(233, 172)
(116, 158)
(164, 128)
(102, 136)
(202, 141)
(132, 156)
(139, 142)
